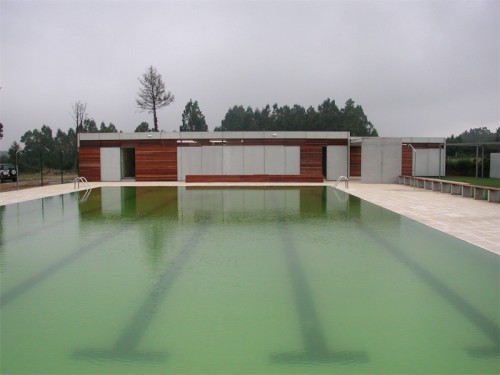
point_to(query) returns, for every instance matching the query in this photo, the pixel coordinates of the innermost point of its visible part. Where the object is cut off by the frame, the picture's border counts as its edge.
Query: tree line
(481, 134)
(327, 117)
(472, 136)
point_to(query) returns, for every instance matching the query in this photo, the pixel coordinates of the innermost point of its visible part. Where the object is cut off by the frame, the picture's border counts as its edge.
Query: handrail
(342, 178)
(83, 180)
(85, 184)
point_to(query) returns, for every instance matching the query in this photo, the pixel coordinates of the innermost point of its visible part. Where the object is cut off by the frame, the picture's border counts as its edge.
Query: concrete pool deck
(473, 221)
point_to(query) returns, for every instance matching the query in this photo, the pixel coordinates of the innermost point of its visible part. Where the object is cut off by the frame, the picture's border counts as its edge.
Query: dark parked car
(8, 172)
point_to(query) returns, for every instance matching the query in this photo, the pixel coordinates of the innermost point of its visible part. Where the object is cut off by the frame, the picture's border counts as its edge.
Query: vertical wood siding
(155, 163)
(406, 161)
(89, 161)
(311, 158)
(355, 161)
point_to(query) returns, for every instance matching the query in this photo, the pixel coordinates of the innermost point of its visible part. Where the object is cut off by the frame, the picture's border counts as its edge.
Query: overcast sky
(418, 68)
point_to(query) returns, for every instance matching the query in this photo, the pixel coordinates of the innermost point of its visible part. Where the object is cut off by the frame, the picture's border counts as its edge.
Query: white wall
(253, 160)
(495, 165)
(292, 160)
(234, 160)
(274, 160)
(211, 160)
(336, 162)
(188, 161)
(110, 164)
(427, 162)
(380, 160)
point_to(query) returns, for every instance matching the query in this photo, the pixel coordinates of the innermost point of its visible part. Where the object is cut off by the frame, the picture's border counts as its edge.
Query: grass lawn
(492, 182)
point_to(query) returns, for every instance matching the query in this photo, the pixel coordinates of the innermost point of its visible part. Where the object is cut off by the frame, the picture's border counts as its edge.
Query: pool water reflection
(239, 280)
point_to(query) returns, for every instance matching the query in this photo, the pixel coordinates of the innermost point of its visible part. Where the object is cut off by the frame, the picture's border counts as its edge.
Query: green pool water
(167, 280)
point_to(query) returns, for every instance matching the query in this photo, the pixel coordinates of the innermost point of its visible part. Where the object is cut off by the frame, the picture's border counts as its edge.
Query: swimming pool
(257, 280)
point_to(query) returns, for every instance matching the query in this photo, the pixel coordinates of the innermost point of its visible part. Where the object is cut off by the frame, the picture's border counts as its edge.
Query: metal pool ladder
(86, 185)
(83, 180)
(342, 178)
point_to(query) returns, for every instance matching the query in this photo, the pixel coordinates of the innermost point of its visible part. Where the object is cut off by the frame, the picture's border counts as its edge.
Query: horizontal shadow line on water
(26, 285)
(315, 347)
(125, 347)
(466, 309)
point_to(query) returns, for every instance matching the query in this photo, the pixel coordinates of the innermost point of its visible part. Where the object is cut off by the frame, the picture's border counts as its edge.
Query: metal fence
(41, 169)
(470, 159)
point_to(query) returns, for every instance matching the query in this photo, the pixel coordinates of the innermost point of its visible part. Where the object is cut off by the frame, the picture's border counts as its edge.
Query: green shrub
(466, 166)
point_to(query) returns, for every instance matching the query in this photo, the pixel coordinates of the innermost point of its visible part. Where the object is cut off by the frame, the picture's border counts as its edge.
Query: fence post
(41, 166)
(477, 161)
(482, 161)
(62, 179)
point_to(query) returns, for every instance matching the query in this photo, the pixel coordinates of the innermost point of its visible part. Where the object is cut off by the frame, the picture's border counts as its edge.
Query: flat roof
(213, 135)
(247, 135)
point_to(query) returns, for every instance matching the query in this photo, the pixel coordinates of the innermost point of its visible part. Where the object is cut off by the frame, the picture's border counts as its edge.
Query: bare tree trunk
(155, 120)
(79, 112)
(152, 95)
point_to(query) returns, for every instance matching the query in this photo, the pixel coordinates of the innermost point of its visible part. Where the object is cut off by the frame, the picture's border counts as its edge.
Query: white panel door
(110, 164)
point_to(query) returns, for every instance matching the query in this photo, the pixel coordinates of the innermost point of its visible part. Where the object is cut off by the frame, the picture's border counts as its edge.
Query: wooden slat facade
(311, 158)
(155, 163)
(355, 161)
(90, 163)
(406, 161)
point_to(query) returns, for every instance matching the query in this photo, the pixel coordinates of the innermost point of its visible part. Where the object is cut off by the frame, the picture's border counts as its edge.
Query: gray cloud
(420, 68)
